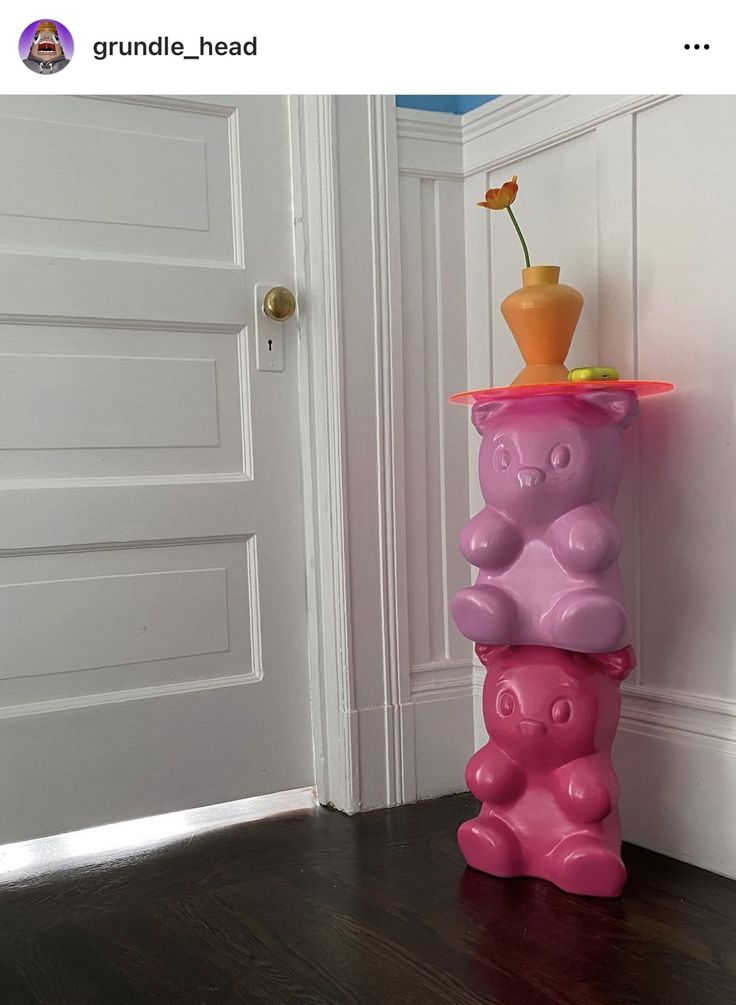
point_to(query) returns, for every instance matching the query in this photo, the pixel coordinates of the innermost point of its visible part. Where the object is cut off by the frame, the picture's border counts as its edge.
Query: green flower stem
(521, 236)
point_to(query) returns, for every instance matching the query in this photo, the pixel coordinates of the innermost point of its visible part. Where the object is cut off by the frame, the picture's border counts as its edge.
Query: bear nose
(530, 727)
(529, 477)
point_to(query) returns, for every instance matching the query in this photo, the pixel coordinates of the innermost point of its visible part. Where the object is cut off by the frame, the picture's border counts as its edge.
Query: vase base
(541, 373)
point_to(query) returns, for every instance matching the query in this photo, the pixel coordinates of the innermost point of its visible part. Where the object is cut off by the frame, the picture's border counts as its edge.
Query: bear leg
(485, 614)
(584, 865)
(490, 845)
(587, 621)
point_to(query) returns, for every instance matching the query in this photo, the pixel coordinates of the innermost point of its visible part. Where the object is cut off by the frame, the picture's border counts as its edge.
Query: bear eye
(561, 710)
(501, 458)
(505, 703)
(560, 456)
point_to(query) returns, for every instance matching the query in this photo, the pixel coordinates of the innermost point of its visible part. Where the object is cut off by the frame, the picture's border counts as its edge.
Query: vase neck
(540, 275)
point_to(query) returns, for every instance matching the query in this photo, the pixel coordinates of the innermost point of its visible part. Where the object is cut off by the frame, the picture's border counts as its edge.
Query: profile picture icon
(46, 46)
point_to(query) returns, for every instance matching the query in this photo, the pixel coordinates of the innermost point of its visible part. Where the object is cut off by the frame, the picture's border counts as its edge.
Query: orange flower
(501, 198)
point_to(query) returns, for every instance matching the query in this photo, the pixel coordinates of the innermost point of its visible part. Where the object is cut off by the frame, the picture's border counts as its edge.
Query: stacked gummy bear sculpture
(547, 609)
(548, 618)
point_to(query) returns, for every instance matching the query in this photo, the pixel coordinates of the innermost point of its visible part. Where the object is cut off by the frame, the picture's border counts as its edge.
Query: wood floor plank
(317, 908)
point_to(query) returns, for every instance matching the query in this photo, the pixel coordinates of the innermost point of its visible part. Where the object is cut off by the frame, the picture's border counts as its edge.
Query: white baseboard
(443, 731)
(442, 698)
(677, 793)
(675, 755)
(417, 749)
(97, 845)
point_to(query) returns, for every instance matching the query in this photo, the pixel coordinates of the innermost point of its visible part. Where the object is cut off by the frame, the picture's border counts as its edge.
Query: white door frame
(344, 163)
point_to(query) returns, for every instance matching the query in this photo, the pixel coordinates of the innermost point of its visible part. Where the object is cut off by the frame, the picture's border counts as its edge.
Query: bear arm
(493, 777)
(585, 540)
(582, 790)
(490, 541)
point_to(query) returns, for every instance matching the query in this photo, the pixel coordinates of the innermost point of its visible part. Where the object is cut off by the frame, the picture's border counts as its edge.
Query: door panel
(103, 401)
(139, 178)
(152, 576)
(95, 628)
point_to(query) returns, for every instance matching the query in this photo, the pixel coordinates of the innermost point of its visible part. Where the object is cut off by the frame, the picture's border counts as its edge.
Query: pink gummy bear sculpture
(545, 777)
(546, 543)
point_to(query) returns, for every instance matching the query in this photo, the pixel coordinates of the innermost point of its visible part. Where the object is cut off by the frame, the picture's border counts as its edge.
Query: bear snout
(529, 477)
(532, 727)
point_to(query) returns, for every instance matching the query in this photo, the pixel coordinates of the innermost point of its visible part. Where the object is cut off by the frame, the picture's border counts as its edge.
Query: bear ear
(619, 664)
(622, 407)
(484, 412)
(488, 654)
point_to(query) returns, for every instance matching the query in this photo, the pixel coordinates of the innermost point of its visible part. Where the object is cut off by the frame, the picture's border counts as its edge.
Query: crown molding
(486, 148)
(454, 147)
(430, 144)
(502, 111)
(440, 127)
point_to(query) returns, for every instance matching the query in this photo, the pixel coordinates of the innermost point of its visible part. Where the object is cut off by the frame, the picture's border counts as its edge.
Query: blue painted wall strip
(467, 102)
(458, 104)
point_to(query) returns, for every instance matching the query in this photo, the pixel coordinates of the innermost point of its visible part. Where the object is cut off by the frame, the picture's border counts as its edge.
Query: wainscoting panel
(434, 367)
(606, 191)
(436, 471)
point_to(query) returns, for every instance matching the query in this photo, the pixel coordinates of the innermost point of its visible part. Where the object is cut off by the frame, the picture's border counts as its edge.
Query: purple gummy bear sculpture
(546, 543)
(545, 778)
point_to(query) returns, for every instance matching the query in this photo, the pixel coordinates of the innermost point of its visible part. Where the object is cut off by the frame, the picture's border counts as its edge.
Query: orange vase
(542, 316)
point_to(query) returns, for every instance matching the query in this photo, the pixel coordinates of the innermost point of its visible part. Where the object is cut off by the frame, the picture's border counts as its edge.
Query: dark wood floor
(317, 907)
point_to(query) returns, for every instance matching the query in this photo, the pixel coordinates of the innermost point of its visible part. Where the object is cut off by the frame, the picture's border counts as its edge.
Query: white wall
(632, 197)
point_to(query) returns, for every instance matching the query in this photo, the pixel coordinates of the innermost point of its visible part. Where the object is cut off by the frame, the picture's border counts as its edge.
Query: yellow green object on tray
(593, 373)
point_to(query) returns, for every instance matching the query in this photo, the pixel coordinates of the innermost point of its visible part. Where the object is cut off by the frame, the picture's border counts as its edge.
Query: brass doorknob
(279, 303)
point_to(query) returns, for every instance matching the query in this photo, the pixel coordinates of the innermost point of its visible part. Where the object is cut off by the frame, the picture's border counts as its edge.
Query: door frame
(361, 707)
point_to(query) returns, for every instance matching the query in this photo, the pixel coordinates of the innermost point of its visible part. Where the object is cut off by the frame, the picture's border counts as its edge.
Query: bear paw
(583, 865)
(489, 844)
(586, 621)
(485, 614)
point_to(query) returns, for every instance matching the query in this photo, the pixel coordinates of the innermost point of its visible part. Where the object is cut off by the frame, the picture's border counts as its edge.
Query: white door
(152, 572)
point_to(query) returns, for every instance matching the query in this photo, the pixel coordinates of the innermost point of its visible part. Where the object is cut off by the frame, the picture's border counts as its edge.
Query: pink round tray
(642, 389)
